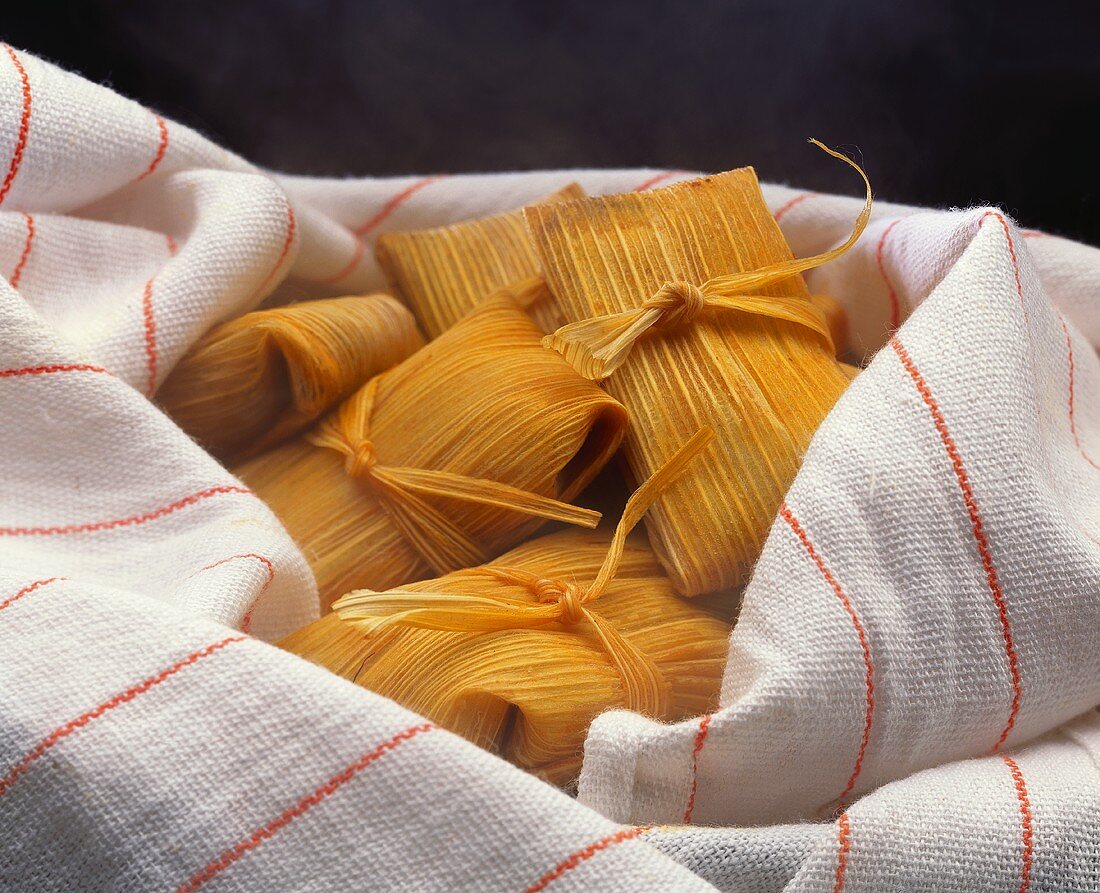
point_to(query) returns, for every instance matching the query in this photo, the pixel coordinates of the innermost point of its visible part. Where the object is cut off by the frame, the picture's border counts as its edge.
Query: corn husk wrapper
(443, 273)
(520, 655)
(836, 319)
(255, 381)
(687, 301)
(443, 461)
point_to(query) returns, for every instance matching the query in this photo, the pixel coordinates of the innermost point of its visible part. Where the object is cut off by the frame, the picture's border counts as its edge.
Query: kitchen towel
(899, 705)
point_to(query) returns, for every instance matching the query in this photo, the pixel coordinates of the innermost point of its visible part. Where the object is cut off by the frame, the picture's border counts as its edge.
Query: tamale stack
(520, 655)
(257, 380)
(443, 461)
(687, 300)
(444, 273)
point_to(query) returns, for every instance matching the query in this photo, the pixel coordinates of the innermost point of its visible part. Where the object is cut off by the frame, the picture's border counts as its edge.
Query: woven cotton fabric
(1022, 820)
(898, 708)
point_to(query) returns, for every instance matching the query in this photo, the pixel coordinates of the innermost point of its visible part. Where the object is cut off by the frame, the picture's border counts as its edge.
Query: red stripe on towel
(978, 529)
(300, 808)
(150, 324)
(64, 731)
(27, 590)
(1012, 254)
(247, 621)
(861, 634)
(24, 126)
(17, 273)
(51, 369)
(794, 202)
(844, 847)
(584, 855)
(1072, 399)
(1026, 822)
(162, 147)
(124, 522)
(700, 740)
(393, 204)
(659, 178)
(349, 267)
(895, 306)
(291, 231)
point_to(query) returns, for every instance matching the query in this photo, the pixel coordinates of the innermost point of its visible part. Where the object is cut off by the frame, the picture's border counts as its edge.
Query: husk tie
(434, 536)
(557, 601)
(596, 347)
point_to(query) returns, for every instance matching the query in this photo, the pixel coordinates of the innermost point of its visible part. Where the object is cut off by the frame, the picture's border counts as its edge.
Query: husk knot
(570, 598)
(680, 303)
(361, 460)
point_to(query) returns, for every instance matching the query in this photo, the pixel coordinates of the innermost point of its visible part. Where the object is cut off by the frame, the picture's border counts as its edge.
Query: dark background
(947, 103)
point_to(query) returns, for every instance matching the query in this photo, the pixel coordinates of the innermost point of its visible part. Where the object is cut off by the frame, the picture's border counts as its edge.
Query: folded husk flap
(444, 273)
(255, 381)
(530, 694)
(443, 461)
(687, 298)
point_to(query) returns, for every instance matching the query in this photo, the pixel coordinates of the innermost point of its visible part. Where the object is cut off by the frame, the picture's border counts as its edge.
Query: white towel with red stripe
(908, 703)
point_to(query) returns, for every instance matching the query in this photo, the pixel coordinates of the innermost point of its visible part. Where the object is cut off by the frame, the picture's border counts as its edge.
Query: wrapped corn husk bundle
(836, 320)
(251, 383)
(444, 273)
(521, 654)
(686, 299)
(443, 461)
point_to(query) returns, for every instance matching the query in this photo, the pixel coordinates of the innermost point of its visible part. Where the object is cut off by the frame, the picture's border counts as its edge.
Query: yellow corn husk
(443, 461)
(444, 273)
(520, 655)
(255, 381)
(836, 319)
(736, 344)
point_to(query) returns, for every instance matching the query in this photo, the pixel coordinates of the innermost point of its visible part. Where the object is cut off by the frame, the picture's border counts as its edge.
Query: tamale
(257, 380)
(836, 319)
(736, 344)
(443, 461)
(444, 273)
(520, 655)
